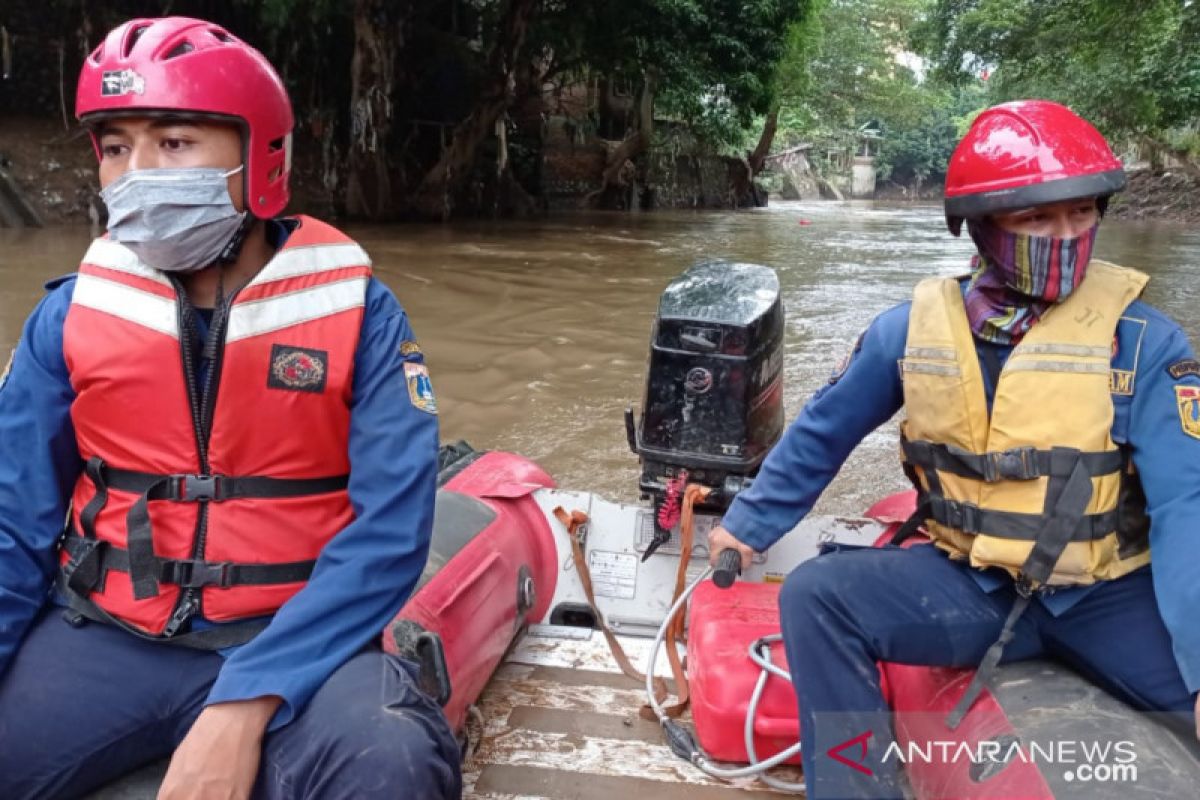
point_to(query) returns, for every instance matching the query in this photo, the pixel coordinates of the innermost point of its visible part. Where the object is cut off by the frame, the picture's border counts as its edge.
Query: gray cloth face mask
(175, 220)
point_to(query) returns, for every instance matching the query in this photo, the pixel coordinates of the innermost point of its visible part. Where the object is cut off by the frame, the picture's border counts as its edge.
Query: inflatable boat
(559, 629)
(552, 593)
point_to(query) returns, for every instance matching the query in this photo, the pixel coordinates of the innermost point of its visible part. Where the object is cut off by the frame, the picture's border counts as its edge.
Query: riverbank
(56, 169)
(1168, 196)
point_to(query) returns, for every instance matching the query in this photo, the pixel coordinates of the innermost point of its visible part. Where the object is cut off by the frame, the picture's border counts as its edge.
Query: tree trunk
(377, 40)
(743, 189)
(617, 170)
(765, 140)
(435, 196)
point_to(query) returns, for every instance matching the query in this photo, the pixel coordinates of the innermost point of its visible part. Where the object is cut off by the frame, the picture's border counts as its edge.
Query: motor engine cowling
(713, 404)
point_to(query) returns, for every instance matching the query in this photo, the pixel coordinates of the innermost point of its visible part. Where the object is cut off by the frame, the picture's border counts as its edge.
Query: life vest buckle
(1014, 464)
(194, 574)
(195, 488)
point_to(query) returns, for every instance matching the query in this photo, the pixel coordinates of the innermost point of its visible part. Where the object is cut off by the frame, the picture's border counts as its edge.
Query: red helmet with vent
(193, 68)
(1027, 153)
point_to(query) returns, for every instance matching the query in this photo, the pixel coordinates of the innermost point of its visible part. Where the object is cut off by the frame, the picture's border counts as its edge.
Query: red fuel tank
(721, 677)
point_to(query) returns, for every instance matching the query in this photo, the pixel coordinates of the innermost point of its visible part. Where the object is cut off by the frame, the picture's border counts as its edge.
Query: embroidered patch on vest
(408, 348)
(1185, 366)
(298, 369)
(420, 390)
(1187, 398)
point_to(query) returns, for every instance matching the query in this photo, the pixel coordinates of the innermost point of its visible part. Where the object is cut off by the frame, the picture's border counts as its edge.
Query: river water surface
(536, 333)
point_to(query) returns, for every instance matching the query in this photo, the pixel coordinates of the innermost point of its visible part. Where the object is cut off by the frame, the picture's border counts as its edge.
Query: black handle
(631, 429)
(729, 566)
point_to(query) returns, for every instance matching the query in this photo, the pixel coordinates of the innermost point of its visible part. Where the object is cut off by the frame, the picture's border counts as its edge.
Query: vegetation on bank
(437, 108)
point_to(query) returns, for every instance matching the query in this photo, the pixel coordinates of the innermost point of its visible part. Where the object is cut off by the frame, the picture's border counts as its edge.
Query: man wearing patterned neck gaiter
(1053, 435)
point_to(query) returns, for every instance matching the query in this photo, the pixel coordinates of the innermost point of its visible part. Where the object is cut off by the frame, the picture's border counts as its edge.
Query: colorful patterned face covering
(1017, 277)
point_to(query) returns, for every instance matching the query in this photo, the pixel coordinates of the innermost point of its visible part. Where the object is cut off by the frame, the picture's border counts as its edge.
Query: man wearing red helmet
(1053, 433)
(232, 416)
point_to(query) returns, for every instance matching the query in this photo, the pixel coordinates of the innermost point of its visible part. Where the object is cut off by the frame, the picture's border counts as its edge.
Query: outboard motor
(714, 391)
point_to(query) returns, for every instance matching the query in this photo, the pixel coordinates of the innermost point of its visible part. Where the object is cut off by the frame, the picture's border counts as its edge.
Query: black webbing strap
(912, 525)
(970, 518)
(991, 659)
(216, 638)
(100, 557)
(1070, 499)
(87, 516)
(1066, 501)
(183, 488)
(140, 537)
(1015, 464)
(84, 569)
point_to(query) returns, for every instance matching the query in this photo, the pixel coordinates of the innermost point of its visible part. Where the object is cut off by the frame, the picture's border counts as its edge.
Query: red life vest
(214, 499)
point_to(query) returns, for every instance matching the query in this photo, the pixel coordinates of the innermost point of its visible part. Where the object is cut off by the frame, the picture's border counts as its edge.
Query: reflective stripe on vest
(991, 484)
(241, 490)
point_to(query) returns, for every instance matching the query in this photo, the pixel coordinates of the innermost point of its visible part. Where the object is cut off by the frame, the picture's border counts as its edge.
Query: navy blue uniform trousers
(80, 707)
(845, 610)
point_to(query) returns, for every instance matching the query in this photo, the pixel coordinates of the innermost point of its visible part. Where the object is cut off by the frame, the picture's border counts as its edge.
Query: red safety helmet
(1027, 153)
(189, 67)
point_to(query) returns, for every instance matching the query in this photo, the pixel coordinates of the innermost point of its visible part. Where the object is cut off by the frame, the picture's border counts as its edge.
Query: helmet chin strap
(233, 248)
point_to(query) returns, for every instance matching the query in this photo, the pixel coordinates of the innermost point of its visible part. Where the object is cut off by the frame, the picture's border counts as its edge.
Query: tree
(852, 70)
(436, 192)
(1131, 68)
(707, 63)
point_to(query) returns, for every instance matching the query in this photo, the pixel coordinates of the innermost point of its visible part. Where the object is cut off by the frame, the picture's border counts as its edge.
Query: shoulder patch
(1184, 366)
(1187, 400)
(420, 389)
(844, 364)
(1126, 353)
(408, 348)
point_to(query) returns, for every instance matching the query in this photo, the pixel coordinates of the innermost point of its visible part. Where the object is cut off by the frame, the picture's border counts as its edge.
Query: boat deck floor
(558, 721)
(561, 721)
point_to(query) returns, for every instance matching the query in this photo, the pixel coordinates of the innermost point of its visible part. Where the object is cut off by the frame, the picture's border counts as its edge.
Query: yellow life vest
(992, 489)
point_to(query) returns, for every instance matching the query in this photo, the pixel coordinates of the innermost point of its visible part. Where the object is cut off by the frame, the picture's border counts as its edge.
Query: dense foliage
(401, 99)
(1132, 68)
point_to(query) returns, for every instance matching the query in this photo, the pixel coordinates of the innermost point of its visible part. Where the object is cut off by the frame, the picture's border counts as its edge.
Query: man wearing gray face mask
(232, 415)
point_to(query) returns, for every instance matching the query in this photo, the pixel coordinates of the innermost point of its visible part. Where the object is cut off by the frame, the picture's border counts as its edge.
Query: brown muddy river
(536, 332)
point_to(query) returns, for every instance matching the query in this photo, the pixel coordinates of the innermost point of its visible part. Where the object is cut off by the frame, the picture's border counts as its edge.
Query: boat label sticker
(1187, 399)
(613, 574)
(420, 390)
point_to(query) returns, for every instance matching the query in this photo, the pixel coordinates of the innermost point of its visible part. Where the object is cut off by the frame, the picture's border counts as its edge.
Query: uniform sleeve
(861, 396)
(367, 571)
(39, 463)
(1164, 433)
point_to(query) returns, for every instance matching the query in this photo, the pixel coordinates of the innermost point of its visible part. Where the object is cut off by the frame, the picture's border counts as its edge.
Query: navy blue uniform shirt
(1151, 358)
(363, 575)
